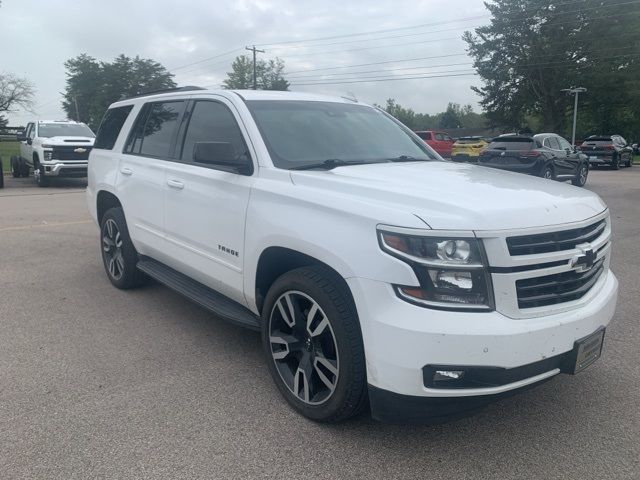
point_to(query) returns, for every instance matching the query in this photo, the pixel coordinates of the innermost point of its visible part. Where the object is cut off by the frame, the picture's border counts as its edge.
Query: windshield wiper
(408, 158)
(329, 164)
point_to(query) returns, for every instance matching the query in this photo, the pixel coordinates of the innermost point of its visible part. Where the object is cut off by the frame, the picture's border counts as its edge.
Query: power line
(204, 60)
(386, 80)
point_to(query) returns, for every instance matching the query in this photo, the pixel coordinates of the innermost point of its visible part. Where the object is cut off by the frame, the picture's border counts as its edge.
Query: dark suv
(545, 155)
(611, 150)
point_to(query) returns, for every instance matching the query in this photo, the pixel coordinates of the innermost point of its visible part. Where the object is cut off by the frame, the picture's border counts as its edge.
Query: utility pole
(75, 101)
(254, 50)
(575, 91)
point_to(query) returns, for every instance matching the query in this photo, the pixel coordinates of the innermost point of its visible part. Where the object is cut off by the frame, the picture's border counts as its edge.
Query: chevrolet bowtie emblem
(80, 150)
(585, 260)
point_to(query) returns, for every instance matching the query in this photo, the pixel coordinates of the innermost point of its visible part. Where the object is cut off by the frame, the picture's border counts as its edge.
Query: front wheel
(629, 160)
(615, 164)
(581, 178)
(41, 179)
(312, 341)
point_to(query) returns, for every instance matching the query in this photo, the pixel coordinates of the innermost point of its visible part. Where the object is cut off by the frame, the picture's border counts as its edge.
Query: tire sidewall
(130, 275)
(344, 340)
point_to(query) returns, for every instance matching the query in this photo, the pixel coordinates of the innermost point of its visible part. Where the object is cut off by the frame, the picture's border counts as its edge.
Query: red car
(439, 141)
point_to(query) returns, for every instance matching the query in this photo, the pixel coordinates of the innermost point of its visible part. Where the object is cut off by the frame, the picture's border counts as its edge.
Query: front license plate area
(587, 350)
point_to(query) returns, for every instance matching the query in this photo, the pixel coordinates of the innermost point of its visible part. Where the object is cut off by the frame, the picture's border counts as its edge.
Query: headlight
(452, 270)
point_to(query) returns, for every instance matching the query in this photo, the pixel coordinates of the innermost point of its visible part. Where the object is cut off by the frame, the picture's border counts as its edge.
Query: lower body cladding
(67, 169)
(426, 365)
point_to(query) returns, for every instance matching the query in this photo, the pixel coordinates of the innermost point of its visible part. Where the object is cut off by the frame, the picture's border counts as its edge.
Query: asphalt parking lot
(97, 382)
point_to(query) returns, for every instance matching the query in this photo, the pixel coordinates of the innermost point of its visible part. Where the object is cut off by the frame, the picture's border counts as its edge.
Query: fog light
(447, 375)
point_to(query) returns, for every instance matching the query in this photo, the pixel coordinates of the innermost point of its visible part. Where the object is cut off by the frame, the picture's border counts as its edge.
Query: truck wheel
(581, 178)
(15, 166)
(41, 179)
(312, 341)
(25, 170)
(119, 256)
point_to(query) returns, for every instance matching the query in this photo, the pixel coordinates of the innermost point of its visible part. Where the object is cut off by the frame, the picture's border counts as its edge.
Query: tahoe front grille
(557, 288)
(554, 241)
(69, 152)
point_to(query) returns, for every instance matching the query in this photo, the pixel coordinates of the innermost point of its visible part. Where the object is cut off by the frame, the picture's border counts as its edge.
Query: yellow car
(467, 149)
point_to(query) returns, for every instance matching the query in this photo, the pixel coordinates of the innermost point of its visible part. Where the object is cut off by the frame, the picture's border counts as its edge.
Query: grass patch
(7, 150)
(636, 159)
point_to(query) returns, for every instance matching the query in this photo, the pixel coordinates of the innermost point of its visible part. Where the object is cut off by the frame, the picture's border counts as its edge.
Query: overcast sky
(38, 36)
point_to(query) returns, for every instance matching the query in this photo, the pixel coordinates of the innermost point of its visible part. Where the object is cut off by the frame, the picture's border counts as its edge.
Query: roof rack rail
(187, 88)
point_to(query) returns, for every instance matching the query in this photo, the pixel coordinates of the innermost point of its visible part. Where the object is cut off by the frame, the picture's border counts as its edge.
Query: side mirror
(21, 137)
(29, 141)
(568, 150)
(221, 153)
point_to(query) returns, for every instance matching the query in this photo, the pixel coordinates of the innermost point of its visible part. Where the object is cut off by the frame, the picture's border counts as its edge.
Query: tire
(119, 256)
(41, 179)
(25, 170)
(15, 167)
(630, 161)
(615, 164)
(547, 173)
(338, 344)
(581, 179)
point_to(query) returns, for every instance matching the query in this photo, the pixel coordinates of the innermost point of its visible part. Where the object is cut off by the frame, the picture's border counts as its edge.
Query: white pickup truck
(53, 148)
(374, 269)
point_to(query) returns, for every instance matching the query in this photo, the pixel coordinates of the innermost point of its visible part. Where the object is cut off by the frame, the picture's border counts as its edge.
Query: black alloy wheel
(581, 178)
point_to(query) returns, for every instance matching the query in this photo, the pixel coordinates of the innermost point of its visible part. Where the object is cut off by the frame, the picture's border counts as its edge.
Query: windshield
(64, 130)
(299, 133)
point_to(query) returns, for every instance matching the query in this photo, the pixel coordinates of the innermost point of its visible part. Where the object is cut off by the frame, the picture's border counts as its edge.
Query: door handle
(126, 171)
(175, 184)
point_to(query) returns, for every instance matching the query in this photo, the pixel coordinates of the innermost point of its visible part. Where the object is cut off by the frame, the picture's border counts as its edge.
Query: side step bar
(204, 296)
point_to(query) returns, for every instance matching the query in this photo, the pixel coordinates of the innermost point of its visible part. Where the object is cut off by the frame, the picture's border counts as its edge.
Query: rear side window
(211, 122)
(424, 135)
(552, 143)
(111, 126)
(155, 129)
(439, 136)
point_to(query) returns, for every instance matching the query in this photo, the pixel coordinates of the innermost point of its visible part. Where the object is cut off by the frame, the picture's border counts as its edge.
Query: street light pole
(576, 91)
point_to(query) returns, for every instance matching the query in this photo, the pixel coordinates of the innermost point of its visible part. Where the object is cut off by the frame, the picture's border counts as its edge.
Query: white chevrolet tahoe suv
(53, 148)
(374, 269)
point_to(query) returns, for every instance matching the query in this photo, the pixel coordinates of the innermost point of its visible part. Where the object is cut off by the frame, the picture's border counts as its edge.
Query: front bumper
(75, 169)
(401, 339)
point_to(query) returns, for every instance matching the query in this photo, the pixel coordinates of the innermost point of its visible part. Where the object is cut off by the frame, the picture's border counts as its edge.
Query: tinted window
(155, 129)
(424, 135)
(552, 143)
(211, 122)
(111, 126)
(564, 144)
(511, 143)
(299, 133)
(439, 136)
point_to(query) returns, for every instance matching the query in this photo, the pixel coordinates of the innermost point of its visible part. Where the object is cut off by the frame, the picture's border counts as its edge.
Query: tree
(4, 121)
(15, 92)
(269, 74)
(532, 49)
(93, 85)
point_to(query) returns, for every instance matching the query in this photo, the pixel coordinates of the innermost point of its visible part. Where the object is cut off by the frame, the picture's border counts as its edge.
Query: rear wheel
(119, 256)
(312, 341)
(581, 178)
(615, 164)
(547, 173)
(15, 167)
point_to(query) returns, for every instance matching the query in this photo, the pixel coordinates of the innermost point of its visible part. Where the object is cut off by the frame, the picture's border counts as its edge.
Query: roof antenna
(350, 96)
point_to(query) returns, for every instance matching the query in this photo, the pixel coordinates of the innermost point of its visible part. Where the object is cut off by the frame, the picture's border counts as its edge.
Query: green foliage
(94, 85)
(454, 116)
(532, 49)
(269, 74)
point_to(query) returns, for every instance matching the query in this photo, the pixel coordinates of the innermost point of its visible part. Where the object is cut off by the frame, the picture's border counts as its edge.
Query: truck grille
(69, 153)
(554, 241)
(557, 288)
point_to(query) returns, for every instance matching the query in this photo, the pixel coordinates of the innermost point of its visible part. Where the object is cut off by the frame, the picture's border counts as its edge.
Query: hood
(459, 196)
(74, 140)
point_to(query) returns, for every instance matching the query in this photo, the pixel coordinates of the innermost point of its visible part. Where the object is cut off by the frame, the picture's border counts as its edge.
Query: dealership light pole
(576, 91)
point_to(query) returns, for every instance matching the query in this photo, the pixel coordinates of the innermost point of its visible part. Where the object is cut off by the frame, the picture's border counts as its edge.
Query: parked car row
(546, 155)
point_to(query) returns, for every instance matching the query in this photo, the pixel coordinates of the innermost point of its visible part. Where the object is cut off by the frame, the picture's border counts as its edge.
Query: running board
(204, 296)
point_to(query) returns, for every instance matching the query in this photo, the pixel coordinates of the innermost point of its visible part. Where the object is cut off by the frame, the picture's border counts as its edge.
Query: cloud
(38, 41)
